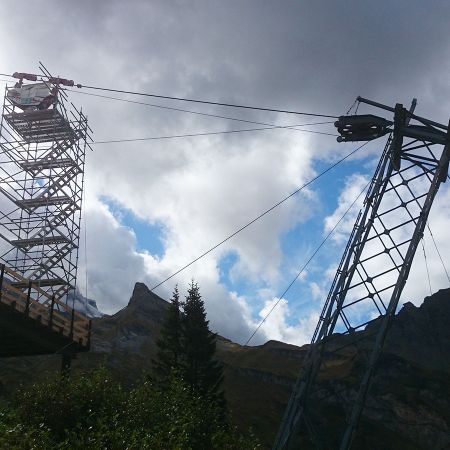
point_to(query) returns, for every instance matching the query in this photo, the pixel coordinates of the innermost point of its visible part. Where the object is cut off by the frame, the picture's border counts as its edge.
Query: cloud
(112, 263)
(280, 326)
(202, 189)
(353, 187)
(317, 292)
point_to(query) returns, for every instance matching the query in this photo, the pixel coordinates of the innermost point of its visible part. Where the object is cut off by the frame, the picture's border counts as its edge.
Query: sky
(153, 206)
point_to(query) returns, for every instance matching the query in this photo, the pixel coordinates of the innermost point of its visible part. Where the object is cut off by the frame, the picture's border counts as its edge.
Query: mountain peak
(139, 290)
(146, 301)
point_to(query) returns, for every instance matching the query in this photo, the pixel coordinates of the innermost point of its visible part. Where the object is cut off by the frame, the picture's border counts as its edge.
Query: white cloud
(217, 189)
(353, 187)
(202, 189)
(317, 292)
(195, 216)
(112, 262)
(278, 324)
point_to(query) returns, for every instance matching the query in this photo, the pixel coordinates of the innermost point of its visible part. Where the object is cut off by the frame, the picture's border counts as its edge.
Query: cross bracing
(42, 155)
(370, 278)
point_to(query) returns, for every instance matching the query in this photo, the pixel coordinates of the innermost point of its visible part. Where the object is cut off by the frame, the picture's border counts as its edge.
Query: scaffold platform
(45, 125)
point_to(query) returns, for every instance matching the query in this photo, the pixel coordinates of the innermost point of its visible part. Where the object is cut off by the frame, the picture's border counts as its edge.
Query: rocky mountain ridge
(258, 380)
(84, 305)
(408, 406)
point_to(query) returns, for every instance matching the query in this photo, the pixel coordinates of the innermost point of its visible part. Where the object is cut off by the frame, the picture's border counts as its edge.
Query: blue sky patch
(148, 236)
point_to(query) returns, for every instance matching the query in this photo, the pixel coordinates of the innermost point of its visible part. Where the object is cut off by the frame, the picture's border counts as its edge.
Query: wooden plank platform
(34, 323)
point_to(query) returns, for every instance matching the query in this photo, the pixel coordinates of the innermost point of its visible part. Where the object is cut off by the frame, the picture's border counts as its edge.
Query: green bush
(15, 435)
(92, 411)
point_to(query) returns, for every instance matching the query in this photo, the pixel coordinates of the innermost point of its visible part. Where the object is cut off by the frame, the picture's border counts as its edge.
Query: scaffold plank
(41, 125)
(43, 201)
(46, 240)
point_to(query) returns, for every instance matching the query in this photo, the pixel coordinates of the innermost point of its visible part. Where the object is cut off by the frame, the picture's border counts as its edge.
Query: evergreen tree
(201, 371)
(169, 354)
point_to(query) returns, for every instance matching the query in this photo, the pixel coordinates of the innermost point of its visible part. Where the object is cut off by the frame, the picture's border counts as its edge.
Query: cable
(171, 108)
(426, 266)
(267, 211)
(206, 102)
(269, 126)
(210, 133)
(191, 100)
(439, 253)
(307, 263)
(351, 107)
(85, 250)
(85, 266)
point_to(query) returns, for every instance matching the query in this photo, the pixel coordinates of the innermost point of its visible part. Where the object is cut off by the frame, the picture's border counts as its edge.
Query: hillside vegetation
(408, 406)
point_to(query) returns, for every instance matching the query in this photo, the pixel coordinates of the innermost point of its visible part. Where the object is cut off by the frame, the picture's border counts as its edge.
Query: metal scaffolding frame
(42, 156)
(374, 267)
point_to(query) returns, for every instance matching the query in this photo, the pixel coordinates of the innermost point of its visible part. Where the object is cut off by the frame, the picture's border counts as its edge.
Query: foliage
(67, 403)
(169, 353)
(15, 435)
(180, 418)
(184, 408)
(187, 347)
(93, 411)
(202, 372)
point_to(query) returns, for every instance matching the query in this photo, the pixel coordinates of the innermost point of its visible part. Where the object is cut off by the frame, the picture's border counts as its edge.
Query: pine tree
(201, 371)
(169, 356)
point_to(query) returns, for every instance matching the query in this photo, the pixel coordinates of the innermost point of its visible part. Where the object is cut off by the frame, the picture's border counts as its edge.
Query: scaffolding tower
(374, 268)
(42, 155)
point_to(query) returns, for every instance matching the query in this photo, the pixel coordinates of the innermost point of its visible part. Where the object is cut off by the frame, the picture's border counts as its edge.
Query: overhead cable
(191, 100)
(209, 133)
(306, 265)
(426, 266)
(438, 252)
(198, 113)
(260, 216)
(207, 102)
(267, 126)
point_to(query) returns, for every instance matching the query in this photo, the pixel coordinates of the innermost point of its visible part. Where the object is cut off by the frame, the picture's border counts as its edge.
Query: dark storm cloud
(279, 52)
(313, 56)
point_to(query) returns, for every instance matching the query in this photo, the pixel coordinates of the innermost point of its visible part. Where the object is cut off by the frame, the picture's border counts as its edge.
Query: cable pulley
(361, 127)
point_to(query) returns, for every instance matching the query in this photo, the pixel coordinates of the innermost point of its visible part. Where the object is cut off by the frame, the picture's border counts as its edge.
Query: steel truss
(373, 270)
(42, 155)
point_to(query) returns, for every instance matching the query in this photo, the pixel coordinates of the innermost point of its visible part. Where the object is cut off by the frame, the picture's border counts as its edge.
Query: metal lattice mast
(376, 262)
(42, 153)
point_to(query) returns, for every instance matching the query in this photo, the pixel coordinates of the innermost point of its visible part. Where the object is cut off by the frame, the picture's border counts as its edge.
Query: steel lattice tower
(375, 264)
(42, 153)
